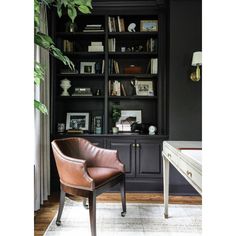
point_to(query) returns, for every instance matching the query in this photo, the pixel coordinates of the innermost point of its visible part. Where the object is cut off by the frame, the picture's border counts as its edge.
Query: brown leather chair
(86, 170)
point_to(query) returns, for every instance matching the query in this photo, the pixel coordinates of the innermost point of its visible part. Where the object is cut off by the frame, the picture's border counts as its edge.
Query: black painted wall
(185, 96)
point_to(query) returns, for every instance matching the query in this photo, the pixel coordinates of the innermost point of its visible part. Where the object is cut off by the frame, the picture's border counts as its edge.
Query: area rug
(142, 219)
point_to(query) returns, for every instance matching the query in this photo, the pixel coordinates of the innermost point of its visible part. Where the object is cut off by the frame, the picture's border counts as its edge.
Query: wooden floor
(45, 215)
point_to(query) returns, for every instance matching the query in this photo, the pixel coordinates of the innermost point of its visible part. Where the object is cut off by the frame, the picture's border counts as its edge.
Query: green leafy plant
(46, 42)
(115, 114)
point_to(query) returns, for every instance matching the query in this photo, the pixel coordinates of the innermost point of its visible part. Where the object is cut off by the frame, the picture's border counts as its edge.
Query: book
(95, 49)
(116, 67)
(103, 66)
(96, 43)
(119, 23)
(116, 88)
(123, 90)
(154, 66)
(122, 23)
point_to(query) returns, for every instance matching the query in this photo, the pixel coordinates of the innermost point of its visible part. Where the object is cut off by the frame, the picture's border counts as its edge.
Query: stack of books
(93, 28)
(96, 47)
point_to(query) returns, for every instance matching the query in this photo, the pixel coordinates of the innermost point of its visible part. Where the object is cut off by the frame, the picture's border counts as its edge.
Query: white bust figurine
(152, 130)
(65, 85)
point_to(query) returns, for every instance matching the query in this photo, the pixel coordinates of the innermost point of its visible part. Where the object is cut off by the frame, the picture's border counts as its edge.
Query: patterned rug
(142, 219)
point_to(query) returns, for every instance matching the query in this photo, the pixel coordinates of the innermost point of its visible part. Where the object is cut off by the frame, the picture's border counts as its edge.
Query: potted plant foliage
(116, 113)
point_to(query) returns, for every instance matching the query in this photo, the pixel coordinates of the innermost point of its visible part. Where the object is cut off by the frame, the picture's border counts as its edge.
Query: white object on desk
(186, 157)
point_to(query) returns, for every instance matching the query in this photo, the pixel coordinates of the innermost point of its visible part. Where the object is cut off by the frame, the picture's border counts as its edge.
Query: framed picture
(77, 121)
(97, 124)
(148, 25)
(127, 118)
(144, 87)
(87, 67)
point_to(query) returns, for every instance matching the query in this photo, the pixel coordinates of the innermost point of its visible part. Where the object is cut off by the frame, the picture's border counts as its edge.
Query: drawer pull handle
(189, 174)
(168, 155)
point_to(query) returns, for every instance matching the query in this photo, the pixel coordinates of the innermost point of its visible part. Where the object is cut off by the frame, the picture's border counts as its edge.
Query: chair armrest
(100, 157)
(72, 171)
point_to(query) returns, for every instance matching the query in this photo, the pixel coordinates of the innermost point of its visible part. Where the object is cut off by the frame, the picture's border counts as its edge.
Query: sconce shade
(197, 58)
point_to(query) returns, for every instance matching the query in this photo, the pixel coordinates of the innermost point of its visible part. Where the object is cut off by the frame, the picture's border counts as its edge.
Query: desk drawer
(171, 156)
(190, 172)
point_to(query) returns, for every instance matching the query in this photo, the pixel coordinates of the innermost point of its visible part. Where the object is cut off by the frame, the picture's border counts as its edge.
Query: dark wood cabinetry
(139, 153)
(126, 152)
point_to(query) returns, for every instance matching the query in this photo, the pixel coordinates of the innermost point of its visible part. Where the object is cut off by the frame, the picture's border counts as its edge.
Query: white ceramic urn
(65, 85)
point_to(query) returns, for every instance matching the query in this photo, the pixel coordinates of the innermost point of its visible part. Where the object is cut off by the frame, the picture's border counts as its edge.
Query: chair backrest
(70, 162)
(70, 146)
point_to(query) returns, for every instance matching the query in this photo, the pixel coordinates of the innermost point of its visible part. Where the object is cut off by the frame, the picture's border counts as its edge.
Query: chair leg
(123, 196)
(85, 203)
(92, 213)
(61, 206)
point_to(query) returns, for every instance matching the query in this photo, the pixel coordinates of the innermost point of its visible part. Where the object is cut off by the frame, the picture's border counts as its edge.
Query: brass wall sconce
(196, 61)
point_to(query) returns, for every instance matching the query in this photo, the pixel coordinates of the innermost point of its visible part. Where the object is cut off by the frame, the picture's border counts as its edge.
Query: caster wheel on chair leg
(123, 213)
(58, 223)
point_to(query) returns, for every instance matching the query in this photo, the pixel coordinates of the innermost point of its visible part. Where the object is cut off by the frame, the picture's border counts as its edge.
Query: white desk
(186, 157)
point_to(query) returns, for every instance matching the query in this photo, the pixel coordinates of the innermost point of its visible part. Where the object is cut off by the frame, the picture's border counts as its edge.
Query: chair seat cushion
(101, 175)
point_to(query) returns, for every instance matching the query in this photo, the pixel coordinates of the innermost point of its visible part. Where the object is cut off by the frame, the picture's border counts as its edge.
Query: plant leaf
(84, 9)
(72, 13)
(41, 107)
(87, 3)
(39, 73)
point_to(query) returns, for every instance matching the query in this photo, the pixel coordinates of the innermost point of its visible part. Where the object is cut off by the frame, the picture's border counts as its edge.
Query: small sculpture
(65, 85)
(131, 27)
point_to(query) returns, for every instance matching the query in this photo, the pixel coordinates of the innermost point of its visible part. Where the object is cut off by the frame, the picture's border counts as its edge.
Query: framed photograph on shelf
(148, 25)
(144, 87)
(77, 121)
(127, 118)
(87, 67)
(97, 124)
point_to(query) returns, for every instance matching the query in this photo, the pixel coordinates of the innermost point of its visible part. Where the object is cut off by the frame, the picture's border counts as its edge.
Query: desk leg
(166, 167)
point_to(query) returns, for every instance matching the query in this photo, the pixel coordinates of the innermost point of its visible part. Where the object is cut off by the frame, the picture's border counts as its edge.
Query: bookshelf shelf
(132, 54)
(85, 54)
(133, 34)
(80, 34)
(94, 76)
(134, 97)
(80, 97)
(138, 76)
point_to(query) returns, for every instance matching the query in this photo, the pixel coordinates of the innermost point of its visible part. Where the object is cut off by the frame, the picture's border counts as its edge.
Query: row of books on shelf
(116, 24)
(93, 28)
(113, 67)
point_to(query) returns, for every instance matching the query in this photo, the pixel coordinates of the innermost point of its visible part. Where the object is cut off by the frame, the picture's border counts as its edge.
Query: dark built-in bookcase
(134, 149)
(152, 107)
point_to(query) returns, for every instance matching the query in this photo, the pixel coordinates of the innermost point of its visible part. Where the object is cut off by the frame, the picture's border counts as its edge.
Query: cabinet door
(126, 151)
(148, 158)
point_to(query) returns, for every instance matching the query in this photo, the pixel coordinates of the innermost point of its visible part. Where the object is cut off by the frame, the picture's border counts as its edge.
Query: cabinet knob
(133, 145)
(138, 145)
(189, 174)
